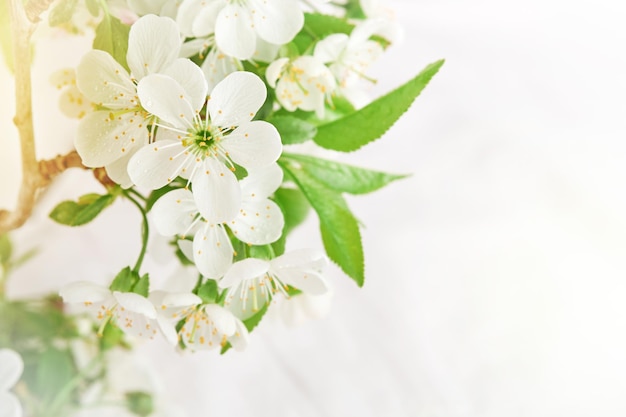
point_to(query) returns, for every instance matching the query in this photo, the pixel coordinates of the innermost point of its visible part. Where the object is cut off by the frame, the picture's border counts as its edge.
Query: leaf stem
(145, 230)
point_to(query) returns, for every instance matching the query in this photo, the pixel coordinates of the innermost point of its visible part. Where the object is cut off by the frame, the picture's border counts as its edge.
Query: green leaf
(93, 7)
(112, 37)
(140, 403)
(208, 291)
(55, 370)
(125, 280)
(342, 177)
(142, 287)
(112, 336)
(372, 121)
(6, 40)
(62, 12)
(295, 208)
(292, 129)
(317, 26)
(87, 208)
(340, 230)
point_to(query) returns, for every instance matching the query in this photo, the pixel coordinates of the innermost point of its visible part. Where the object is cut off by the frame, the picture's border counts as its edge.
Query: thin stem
(61, 398)
(145, 231)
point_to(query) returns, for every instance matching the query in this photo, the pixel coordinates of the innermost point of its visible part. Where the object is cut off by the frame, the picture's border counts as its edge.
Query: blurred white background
(496, 274)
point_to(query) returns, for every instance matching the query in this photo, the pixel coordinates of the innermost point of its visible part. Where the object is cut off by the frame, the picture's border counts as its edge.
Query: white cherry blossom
(11, 368)
(259, 221)
(131, 312)
(71, 101)
(252, 283)
(110, 136)
(204, 150)
(349, 57)
(240, 23)
(304, 83)
(210, 326)
(170, 308)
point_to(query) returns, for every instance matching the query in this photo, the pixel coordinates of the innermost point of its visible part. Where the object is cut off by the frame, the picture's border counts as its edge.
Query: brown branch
(21, 31)
(50, 168)
(34, 8)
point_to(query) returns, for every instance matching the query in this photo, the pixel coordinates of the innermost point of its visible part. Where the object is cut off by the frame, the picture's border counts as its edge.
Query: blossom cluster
(186, 114)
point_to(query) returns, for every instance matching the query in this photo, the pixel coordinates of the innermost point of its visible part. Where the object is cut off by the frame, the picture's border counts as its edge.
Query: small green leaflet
(340, 230)
(129, 281)
(293, 130)
(295, 208)
(372, 121)
(112, 37)
(342, 177)
(62, 12)
(93, 7)
(208, 291)
(77, 213)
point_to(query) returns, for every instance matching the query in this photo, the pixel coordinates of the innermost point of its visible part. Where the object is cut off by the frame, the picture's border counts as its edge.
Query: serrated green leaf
(93, 7)
(293, 130)
(142, 287)
(62, 12)
(6, 42)
(372, 121)
(87, 208)
(340, 230)
(208, 291)
(125, 280)
(342, 177)
(112, 37)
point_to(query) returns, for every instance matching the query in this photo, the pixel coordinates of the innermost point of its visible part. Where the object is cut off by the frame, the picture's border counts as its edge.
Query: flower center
(202, 142)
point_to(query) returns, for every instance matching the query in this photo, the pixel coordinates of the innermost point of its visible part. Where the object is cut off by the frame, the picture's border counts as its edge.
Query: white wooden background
(496, 274)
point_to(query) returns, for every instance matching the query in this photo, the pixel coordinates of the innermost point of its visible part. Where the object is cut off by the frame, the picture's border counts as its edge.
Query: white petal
(265, 51)
(301, 258)
(9, 405)
(135, 303)
(330, 48)
(275, 70)
(217, 66)
(174, 212)
(204, 22)
(103, 138)
(74, 104)
(84, 292)
(105, 82)
(254, 145)
(118, 169)
(191, 78)
(277, 21)
(11, 368)
(234, 33)
(216, 192)
(174, 299)
(153, 44)
(261, 183)
(186, 247)
(309, 281)
(156, 165)
(241, 271)
(187, 13)
(222, 319)
(212, 251)
(236, 99)
(258, 223)
(239, 340)
(193, 47)
(168, 328)
(164, 97)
